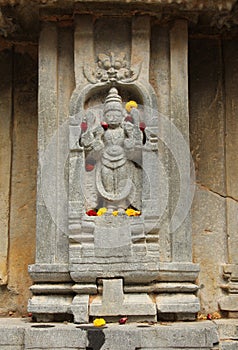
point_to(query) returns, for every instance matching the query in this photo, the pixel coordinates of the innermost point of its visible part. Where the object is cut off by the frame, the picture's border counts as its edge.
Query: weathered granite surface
(213, 111)
(212, 126)
(18, 158)
(5, 159)
(20, 334)
(94, 153)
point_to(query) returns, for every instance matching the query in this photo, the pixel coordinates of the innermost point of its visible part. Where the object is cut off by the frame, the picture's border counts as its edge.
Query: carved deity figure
(112, 156)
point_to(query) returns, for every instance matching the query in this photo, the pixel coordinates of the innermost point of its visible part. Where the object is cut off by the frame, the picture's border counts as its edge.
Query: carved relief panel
(124, 259)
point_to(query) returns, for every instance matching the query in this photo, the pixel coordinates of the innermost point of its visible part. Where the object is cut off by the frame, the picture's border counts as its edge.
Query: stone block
(140, 306)
(60, 337)
(50, 304)
(11, 347)
(49, 272)
(79, 308)
(85, 288)
(229, 345)
(18, 334)
(209, 237)
(178, 271)
(117, 338)
(229, 303)
(133, 271)
(227, 328)
(179, 336)
(11, 337)
(112, 237)
(163, 287)
(231, 271)
(177, 303)
(232, 223)
(62, 348)
(207, 113)
(115, 303)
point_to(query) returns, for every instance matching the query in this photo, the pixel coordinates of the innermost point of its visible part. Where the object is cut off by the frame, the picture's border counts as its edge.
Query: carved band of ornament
(111, 68)
(226, 20)
(6, 25)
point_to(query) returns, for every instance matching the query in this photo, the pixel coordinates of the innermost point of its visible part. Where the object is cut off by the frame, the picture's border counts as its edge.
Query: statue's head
(113, 108)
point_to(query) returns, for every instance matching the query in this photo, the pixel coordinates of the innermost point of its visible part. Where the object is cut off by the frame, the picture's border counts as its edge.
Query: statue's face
(113, 117)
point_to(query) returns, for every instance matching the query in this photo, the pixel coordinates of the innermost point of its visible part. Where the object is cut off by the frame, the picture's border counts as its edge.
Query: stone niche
(97, 151)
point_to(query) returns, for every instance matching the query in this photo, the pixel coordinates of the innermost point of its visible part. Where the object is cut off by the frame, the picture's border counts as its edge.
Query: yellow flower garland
(129, 212)
(132, 212)
(101, 211)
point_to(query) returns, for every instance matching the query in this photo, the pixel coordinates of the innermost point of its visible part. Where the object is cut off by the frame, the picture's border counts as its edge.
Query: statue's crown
(113, 97)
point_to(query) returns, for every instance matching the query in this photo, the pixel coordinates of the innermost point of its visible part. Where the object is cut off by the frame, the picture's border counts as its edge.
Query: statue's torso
(114, 155)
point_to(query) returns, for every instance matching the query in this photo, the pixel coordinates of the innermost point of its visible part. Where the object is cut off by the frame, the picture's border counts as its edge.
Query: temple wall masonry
(213, 109)
(101, 106)
(18, 154)
(213, 125)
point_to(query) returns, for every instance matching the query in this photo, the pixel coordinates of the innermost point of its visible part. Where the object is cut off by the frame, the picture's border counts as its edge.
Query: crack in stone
(203, 187)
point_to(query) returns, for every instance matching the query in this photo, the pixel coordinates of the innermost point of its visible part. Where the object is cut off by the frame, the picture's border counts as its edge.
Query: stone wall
(213, 126)
(213, 129)
(18, 159)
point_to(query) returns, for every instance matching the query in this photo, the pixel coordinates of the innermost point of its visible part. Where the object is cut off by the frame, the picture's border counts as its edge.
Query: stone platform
(21, 334)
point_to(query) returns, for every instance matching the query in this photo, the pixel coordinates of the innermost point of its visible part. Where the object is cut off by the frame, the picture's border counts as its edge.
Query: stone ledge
(228, 328)
(229, 345)
(22, 334)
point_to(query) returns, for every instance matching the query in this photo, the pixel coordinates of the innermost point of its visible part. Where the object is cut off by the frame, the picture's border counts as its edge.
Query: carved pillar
(50, 271)
(171, 47)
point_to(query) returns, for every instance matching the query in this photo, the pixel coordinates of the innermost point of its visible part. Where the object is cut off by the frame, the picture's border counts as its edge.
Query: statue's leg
(109, 187)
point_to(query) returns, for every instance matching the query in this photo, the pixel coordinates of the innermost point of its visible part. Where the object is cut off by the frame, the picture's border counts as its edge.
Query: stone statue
(112, 155)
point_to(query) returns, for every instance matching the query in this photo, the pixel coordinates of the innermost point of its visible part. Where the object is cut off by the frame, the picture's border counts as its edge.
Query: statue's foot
(121, 212)
(109, 211)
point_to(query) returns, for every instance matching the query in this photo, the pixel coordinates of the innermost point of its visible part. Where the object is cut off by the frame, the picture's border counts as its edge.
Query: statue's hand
(129, 143)
(135, 115)
(129, 128)
(98, 145)
(92, 119)
(87, 138)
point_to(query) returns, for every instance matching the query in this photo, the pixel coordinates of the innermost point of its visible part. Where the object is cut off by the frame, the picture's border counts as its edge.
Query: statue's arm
(129, 141)
(92, 139)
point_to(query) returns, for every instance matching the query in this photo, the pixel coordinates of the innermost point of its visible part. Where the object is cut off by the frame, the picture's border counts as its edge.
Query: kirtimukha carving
(111, 68)
(113, 154)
